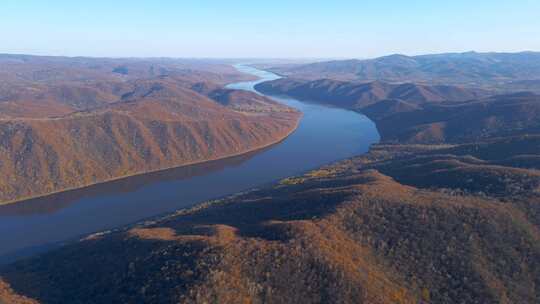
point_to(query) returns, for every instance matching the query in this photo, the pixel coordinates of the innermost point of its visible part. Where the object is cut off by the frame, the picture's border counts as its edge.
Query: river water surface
(324, 135)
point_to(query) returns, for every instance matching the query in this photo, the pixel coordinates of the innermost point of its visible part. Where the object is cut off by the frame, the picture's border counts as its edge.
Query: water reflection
(324, 135)
(55, 202)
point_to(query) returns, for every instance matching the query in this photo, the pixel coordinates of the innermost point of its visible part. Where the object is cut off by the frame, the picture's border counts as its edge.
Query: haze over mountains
(71, 122)
(39, 86)
(488, 70)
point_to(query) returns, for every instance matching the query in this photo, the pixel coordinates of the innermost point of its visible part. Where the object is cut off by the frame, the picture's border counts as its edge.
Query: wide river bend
(324, 135)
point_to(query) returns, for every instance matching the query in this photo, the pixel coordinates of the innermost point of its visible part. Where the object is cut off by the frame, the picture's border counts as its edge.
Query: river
(324, 135)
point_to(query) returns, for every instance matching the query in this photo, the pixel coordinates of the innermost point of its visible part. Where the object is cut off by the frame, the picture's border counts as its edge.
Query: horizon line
(262, 57)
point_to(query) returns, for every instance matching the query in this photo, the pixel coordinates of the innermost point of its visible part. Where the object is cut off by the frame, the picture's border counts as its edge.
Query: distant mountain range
(469, 69)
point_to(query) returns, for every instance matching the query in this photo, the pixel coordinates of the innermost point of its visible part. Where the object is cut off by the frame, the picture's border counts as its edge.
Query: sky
(266, 28)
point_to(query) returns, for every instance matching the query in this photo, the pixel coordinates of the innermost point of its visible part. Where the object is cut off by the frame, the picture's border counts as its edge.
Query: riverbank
(116, 178)
(322, 136)
(404, 223)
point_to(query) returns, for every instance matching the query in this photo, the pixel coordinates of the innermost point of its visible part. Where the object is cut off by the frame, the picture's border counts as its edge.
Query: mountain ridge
(471, 69)
(61, 132)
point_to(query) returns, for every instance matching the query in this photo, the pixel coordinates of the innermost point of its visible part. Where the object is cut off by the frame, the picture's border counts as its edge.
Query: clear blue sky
(259, 28)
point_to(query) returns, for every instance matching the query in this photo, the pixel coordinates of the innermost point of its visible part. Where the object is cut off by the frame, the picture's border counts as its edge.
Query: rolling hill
(356, 96)
(403, 224)
(444, 210)
(412, 113)
(59, 134)
(472, 69)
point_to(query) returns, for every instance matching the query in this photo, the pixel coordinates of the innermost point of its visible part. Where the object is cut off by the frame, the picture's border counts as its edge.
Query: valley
(323, 135)
(444, 209)
(270, 152)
